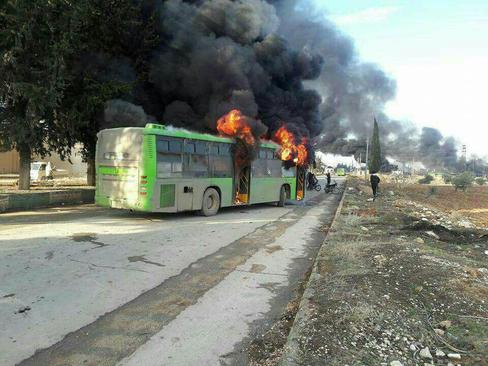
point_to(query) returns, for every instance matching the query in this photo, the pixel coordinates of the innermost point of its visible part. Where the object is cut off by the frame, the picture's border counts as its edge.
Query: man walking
(375, 180)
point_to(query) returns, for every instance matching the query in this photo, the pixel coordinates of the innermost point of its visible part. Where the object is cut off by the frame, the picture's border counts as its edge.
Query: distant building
(9, 163)
(334, 160)
(410, 167)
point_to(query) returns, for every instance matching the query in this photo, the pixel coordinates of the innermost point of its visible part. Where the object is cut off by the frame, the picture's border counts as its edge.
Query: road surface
(90, 286)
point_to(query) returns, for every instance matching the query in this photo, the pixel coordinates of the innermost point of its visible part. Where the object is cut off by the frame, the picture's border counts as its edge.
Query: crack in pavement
(120, 332)
(109, 267)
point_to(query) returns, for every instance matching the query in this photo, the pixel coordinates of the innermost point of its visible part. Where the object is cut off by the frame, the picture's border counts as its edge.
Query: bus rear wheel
(210, 202)
(281, 202)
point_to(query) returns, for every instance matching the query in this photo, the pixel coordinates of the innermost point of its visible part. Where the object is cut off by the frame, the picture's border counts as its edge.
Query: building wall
(9, 163)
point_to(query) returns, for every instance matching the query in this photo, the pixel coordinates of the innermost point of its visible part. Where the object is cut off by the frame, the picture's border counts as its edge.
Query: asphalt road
(90, 286)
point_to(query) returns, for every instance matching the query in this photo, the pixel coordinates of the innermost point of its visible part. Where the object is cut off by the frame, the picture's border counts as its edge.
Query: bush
(481, 181)
(463, 181)
(427, 179)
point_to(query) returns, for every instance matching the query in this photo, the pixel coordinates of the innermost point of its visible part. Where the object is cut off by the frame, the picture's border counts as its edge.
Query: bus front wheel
(210, 202)
(281, 202)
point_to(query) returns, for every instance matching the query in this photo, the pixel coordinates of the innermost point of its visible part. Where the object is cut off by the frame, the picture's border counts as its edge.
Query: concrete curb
(291, 353)
(27, 201)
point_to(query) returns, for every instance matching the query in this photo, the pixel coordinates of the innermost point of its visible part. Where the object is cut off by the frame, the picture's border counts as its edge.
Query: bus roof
(157, 129)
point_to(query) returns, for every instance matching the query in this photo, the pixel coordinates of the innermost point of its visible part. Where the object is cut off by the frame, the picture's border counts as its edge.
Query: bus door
(301, 173)
(243, 184)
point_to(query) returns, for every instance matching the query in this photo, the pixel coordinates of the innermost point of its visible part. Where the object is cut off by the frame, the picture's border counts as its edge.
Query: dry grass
(473, 203)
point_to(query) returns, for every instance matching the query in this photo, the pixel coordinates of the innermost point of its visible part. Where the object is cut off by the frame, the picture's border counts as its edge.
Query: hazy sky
(437, 50)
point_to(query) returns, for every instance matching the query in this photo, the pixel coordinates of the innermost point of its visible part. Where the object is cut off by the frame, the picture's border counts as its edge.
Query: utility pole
(464, 152)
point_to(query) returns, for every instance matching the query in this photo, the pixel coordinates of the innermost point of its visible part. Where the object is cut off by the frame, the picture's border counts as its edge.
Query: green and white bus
(164, 169)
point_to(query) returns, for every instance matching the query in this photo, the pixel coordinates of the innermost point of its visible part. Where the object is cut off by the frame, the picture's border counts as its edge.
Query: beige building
(9, 163)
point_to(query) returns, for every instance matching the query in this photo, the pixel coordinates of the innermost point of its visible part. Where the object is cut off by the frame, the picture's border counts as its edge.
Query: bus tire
(210, 202)
(281, 202)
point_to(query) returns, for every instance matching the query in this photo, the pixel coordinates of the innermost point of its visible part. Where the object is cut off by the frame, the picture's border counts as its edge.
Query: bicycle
(315, 186)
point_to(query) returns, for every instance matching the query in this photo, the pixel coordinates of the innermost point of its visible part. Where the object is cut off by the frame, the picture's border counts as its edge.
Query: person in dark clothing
(375, 180)
(328, 178)
(311, 181)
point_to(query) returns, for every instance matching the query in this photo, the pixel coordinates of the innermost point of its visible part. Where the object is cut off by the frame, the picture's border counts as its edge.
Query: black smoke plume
(276, 61)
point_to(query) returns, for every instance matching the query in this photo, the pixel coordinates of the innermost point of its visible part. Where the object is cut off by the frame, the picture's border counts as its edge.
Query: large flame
(235, 124)
(290, 150)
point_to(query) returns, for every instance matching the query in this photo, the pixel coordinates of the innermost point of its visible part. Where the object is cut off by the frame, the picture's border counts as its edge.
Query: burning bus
(159, 168)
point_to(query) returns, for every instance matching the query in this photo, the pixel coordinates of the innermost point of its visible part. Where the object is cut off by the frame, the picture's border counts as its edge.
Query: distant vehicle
(41, 170)
(44, 170)
(329, 169)
(341, 172)
(160, 169)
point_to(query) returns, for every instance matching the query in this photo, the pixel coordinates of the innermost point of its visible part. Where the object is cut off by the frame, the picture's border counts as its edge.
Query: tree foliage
(110, 60)
(463, 181)
(427, 179)
(375, 159)
(35, 40)
(480, 181)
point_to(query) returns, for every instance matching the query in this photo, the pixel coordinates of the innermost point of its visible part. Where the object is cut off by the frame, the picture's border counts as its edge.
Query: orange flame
(234, 124)
(290, 150)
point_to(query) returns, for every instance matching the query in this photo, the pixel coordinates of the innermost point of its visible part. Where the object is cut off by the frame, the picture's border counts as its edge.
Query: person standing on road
(375, 180)
(328, 178)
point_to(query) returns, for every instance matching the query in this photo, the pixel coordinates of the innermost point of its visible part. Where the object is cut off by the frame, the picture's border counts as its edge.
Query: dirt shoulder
(399, 281)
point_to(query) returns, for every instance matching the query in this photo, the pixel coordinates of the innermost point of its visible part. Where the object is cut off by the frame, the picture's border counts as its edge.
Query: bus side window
(213, 149)
(198, 165)
(201, 147)
(260, 168)
(224, 149)
(220, 166)
(175, 146)
(162, 145)
(270, 154)
(274, 166)
(288, 173)
(262, 154)
(169, 165)
(189, 147)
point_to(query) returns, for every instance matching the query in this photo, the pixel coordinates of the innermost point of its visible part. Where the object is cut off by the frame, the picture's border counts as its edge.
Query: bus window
(221, 166)
(274, 166)
(224, 149)
(288, 172)
(198, 166)
(163, 145)
(189, 147)
(201, 147)
(175, 146)
(262, 154)
(260, 169)
(169, 165)
(270, 154)
(213, 149)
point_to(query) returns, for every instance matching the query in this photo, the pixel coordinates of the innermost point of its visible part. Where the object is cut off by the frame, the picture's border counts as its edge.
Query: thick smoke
(276, 61)
(355, 92)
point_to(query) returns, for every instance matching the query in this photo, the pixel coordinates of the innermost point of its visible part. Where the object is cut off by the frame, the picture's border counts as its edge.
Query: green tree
(35, 40)
(463, 181)
(427, 179)
(375, 159)
(113, 37)
(480, 181)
